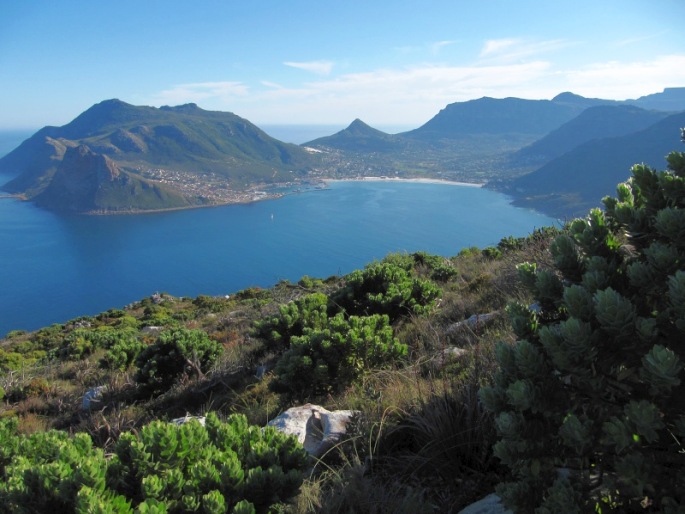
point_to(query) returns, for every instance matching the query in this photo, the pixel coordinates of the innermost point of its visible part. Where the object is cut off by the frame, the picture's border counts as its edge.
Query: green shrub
(307, 282)
(440, 268)
(122, 354)
(309, 311)
(175, 353)
(326, 359)
(211, 303)
(595, 382)
(10, 361)
(385, 288)
(81, 342)
(223, 467)
(192, 467)
(491, 252)
(43, 472)
(15, 333)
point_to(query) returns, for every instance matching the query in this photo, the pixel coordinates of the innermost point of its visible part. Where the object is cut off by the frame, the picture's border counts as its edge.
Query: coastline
(258, 195)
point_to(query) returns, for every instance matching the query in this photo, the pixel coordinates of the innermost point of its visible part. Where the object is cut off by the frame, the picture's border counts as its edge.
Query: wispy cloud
(413, 94)
(638, 39)
(198, 91)
(393, 96)
(318, 67)
(497, 46)
(439, 45)
(516, 49)
(271, 84)
(622, 80)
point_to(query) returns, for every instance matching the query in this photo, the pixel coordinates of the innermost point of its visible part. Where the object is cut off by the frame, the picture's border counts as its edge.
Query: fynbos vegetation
(581, 384)
(589, 401)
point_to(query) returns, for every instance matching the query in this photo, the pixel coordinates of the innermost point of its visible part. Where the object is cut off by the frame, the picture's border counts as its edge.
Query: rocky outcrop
(491, 504)
(185, 419)
(89, 182)
(77, 180)
(317, 429)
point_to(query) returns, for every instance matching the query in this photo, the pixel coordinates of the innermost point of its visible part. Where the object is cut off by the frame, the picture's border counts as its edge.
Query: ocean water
(54, 268)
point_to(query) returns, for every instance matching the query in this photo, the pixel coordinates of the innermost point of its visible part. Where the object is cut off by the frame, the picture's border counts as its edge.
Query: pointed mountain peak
(359, 128)
(357, 123)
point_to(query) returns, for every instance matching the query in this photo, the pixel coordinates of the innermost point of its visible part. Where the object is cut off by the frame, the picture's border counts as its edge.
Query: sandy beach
(397, 179)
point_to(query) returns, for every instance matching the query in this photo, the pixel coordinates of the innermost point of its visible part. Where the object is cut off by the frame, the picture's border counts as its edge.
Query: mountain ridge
(212, 157)
(175, 146)
(595, 166)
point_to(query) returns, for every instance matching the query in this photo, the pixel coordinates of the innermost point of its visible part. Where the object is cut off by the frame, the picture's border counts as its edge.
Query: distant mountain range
(559, 156)
(573, 183)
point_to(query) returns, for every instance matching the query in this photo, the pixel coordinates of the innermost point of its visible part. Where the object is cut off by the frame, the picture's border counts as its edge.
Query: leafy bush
(595, 382)
(326, 359)
(308, 282)
(492, 252)
(175, 353)
(440, 268)
(43, 472)
(223, 467)
(15, 360)
(193, 467)
(82, 342)
(309, 311)
(211, 303)
(122, 354)
(386, 288)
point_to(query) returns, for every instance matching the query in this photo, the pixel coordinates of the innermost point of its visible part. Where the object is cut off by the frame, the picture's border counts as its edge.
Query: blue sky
(328, 62)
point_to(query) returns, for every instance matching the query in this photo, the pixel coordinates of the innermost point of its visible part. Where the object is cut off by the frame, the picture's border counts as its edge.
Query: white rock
(152, 330)
(491, 504)
(187, 418)
(317, 429)
(93, 398)
(447, 355)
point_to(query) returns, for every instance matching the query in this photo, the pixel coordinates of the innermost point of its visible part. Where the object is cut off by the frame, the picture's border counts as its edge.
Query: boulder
(491, 504)
(474, 322)
(317, 429)
(185, 419)
(93, 398)
(448, 355)
(151, 330)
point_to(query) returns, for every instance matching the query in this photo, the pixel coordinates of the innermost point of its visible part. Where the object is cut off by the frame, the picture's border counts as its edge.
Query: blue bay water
(54, 268)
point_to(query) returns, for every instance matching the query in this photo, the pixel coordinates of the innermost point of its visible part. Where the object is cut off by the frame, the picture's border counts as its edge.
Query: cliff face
(86, 181)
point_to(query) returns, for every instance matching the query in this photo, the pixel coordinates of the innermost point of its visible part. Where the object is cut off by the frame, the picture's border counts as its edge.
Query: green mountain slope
(571, 184)
(86, 181)
(593, 123)
(176, 146)
(498, 116)
(359, 136)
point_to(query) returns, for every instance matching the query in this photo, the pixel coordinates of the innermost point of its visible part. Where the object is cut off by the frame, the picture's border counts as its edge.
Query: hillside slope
(577, 181)
(593, 123)
(175, 146)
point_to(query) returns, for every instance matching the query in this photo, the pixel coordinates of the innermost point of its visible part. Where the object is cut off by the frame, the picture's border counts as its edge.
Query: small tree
(329, 358)
(595, 382)
(309, 311)
(223, 467)
(175, 353)
(386, 288)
